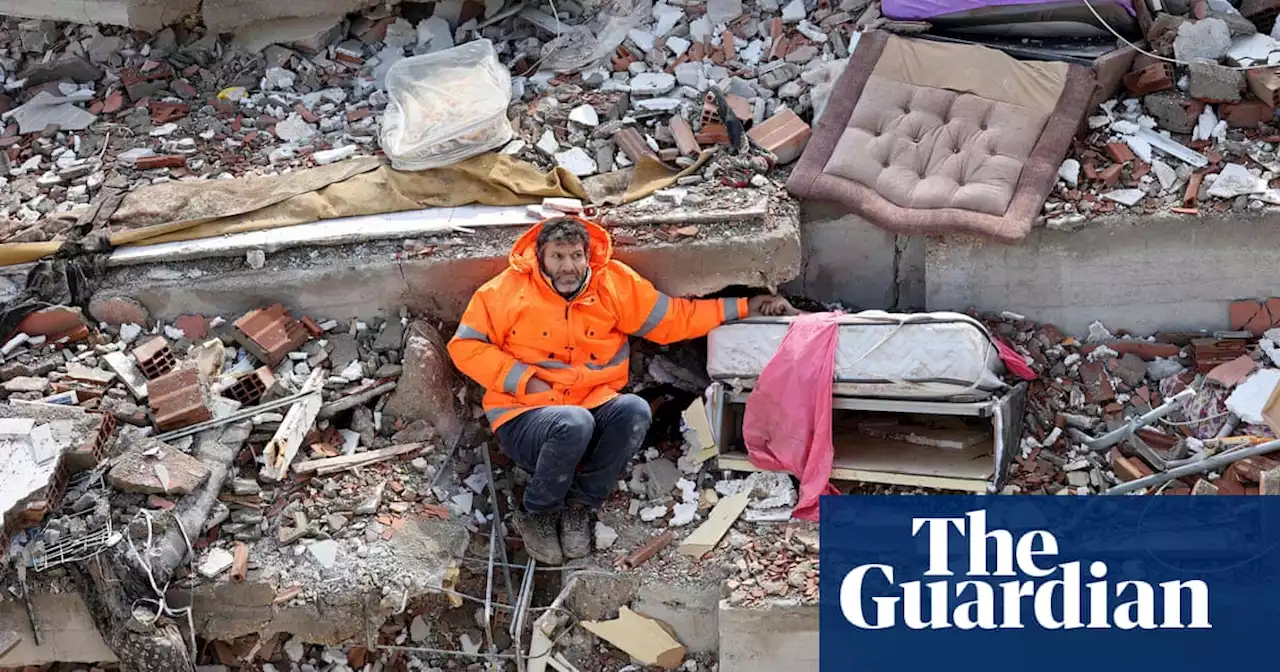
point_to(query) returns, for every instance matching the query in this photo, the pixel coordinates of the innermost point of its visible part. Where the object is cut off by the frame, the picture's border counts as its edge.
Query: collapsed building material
(154, 358)
(270, 334)
(178, 399)
(1205, 465)
(643, 638)
(280, 451)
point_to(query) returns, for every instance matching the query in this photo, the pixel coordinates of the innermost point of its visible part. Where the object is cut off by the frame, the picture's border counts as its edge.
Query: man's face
(566, 265)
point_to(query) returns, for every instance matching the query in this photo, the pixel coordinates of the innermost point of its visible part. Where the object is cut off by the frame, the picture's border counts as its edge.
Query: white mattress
(891, 355)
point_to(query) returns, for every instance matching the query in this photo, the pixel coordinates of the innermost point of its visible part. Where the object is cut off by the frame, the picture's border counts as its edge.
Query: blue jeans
(552, 442)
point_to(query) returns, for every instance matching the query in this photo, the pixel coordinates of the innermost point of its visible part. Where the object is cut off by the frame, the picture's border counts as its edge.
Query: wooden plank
(696, 417)
(330, 464)
(709, 533)
(738, 461)
(641, 637)
(280, 451)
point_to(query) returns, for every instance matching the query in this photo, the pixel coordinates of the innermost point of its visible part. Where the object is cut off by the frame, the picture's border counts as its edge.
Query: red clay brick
(154, 358)
(1143, 349)
(632, 143)
(784, 134)
(195, 327)
(270, 334)
(249, 388)
(162, 161)
(54, 323)
(1265, 84)
(1097, 385)
(176, 400)
(165, 112)
(1119, 152)
(685, 141)
(1154, 77)
(1233, 372)
(1247, 113)
(311, 327)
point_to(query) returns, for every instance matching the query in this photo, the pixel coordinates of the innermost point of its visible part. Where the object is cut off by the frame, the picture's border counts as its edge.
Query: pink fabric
(1013, 361)
(787, 426)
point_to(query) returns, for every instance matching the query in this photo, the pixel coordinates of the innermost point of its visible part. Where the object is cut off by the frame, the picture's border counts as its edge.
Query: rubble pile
(1218, 389)
(1191, 132)
(87, 107)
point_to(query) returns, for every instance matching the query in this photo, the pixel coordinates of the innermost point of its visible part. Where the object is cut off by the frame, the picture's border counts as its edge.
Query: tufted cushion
(933, 148)
(924, 137)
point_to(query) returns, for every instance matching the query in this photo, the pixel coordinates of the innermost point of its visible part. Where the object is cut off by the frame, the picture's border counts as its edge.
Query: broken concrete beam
(784, 134)
(154, 358)
(270, 334)
(177, 399)
(153, 467)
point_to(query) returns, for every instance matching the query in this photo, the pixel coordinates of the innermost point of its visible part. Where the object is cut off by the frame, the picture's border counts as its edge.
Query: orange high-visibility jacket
(517, 326)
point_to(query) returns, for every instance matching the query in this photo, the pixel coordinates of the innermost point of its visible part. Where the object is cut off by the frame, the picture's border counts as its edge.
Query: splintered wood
(331, 465)
(282, 448)
(643, 638)
(709, 533)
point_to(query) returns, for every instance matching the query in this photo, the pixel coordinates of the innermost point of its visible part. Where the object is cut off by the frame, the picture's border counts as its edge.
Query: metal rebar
(522, 611)
(1117, 435)
(497, 521)
(1207, 464)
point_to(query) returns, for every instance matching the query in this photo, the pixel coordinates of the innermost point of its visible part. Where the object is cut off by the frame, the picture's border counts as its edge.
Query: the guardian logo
(1053, 595)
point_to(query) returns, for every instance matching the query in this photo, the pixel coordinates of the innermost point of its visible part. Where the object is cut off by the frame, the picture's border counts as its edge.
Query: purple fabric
(923, 10)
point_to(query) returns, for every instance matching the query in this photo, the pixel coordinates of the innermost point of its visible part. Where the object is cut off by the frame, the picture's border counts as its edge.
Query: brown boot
(541, 538)
(575, 529)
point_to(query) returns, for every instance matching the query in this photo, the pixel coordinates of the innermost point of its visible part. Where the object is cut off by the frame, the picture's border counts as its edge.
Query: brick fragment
(1154, 77)
(1120, 152)
(270, 334)
(685, 140)
(177, 400)
(1265, 84)
(249, 388)
(162, 113)
(1097, 384)
(55, 323)
(161, 161)
(784, 134)
(632, 143)
(1247, 113)
(154, 358)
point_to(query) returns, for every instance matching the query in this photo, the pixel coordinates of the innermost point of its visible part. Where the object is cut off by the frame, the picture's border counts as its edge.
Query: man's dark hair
(563, 230)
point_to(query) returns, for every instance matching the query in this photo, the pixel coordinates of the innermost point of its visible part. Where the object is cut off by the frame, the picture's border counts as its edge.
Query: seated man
(547, 339)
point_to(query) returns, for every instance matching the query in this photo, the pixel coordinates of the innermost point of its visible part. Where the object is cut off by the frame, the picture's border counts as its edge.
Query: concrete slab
(1146, 273)
(753, 248)
(780, 637)
(690, 610)
(147, 15)
(70, 635)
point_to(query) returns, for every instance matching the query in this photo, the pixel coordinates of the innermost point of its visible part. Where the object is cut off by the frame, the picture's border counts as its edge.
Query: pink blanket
(787, 426)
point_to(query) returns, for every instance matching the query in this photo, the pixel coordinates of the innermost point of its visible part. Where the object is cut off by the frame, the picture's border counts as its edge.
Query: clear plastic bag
(445, 107)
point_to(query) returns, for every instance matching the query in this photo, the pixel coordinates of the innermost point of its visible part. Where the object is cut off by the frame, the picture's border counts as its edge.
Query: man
(547, 339)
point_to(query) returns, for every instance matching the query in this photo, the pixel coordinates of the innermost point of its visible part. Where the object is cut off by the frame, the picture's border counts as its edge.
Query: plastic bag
(446, 106)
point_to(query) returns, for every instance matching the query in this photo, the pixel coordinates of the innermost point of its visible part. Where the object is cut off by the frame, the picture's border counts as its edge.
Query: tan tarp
(174, 211)
(982, 71)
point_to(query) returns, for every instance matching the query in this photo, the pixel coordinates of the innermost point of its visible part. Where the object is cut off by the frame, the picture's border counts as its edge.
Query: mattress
(897, 356)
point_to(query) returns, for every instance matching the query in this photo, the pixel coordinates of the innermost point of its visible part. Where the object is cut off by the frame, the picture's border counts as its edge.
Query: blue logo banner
(958, 583)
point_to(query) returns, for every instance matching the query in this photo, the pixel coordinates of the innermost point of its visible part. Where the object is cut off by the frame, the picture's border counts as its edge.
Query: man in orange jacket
(547, 339)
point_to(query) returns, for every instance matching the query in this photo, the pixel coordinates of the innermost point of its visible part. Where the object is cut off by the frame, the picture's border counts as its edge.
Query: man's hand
(770, 306)
(536, 385)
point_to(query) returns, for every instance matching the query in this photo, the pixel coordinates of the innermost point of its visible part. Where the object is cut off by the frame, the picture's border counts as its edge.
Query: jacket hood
(524, 253)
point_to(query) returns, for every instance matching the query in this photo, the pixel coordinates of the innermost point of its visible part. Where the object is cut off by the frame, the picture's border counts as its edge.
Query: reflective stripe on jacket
(517, 326)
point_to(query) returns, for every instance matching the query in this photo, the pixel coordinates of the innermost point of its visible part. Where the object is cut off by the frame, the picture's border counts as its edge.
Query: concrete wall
(779, 637)
(1164, 272)
(148, 15)
(1144, 274)
(849, 260)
